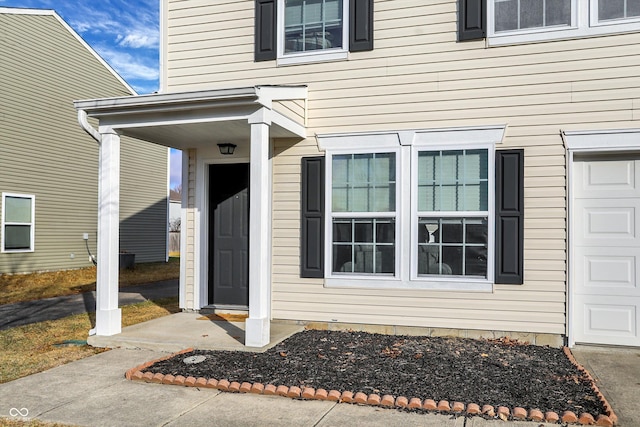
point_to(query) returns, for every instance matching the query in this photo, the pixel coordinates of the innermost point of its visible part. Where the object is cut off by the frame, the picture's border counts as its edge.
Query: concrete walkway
(24, 313)
(617, 374)
(94, 392)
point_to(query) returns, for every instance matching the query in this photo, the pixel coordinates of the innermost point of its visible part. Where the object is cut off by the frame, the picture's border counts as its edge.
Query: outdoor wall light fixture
(227, 149)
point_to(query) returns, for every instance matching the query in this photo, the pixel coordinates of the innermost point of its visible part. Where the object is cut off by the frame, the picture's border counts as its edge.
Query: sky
(125, 33)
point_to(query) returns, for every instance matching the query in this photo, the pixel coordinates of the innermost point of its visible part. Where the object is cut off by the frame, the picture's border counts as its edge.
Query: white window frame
(454, 281)
(320, 55)
(32, 224)
(584, 23)
(407, 144)
(330, 215)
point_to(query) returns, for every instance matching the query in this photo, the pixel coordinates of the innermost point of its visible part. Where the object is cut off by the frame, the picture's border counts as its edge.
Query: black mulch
(494, 372)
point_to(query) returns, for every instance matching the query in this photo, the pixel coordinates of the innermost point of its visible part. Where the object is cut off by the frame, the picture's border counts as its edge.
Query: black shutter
(471, 19)
(265, 31)
(509, 216)
(360, 25)
(312, 218)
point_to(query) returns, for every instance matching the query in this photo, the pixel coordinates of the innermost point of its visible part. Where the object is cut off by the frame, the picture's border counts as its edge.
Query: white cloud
(130, 67)
(138, 39)
(175, 168)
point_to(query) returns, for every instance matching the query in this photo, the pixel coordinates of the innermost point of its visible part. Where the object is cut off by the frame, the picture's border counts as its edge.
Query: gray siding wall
(44, 152)
(418, 76)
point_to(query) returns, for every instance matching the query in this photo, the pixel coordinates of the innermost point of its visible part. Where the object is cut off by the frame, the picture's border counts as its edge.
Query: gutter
(84, 124)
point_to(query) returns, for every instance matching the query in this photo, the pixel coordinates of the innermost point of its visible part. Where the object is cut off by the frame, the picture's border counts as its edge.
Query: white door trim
(582, 142)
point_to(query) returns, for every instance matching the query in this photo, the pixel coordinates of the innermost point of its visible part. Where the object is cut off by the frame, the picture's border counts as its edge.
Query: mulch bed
(485, 372)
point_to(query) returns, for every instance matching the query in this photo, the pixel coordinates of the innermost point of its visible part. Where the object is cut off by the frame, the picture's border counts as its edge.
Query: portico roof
(192, 119)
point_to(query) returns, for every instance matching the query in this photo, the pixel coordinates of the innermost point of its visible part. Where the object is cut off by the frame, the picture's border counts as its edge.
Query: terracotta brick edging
(609, 418)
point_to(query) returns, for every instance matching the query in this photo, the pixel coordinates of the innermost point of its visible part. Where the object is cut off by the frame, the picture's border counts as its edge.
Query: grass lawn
(25, 350)
(27, 287)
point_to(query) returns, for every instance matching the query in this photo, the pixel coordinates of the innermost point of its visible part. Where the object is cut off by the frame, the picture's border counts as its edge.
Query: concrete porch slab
(183, 330)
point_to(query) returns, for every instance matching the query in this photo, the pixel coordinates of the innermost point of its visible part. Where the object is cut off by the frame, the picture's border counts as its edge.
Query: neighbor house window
(453, 212)
(513, 15)
(18, 217)
(363, 210)
(311, 25)
(609, 10)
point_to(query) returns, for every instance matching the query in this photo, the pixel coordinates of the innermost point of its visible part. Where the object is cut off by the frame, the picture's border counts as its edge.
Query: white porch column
(258, 328)
(108, 315)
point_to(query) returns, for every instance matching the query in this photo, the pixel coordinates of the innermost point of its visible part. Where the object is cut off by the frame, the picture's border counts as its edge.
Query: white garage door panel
(606, 321)
(607, 222)
(606, 252)
(613, 178)
(612, 273)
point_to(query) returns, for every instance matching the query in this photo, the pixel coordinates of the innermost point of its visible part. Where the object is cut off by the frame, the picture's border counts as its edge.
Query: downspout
(84, 124)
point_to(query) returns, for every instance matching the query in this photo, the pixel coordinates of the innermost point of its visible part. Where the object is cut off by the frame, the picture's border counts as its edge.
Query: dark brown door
(229, 234)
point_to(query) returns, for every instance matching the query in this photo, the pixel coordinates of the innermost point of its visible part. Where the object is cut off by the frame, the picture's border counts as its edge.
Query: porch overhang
(250, 116)
(196, 119)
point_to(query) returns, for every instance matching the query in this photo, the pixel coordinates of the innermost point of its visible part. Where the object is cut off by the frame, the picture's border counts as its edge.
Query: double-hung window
(303, 31)
(417, 209)
(453, 212)
(18, 218)
(515, 21)
(617, 10)
(522, 14)
(363, 211)
(311, 25)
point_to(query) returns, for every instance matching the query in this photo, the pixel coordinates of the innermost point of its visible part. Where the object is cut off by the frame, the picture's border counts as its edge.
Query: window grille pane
(342, 231)
(17, 237)
(610, 9)
(633, 8)
(339, 198)
(531, 13)
(453, 180)
(452, 246)
(312, 25)
(17, 209)
(313, 11)
(558, 12)
(363, 183)
(618, 9)
(512, 15)
(333, 10)
(372, 249)
(506, 15)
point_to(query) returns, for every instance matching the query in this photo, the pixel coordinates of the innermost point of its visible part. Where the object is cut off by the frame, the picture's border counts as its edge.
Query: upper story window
(525, 21)
(311, 25)
(522, 14)
(302, 31)
(618, 9)
(18, 218)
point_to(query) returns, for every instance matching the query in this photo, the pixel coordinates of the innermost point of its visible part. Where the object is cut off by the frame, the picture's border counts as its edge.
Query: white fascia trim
(492, 134)
(602, 140)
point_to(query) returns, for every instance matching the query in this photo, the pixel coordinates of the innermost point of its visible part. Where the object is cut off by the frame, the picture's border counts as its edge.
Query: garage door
(606, 251)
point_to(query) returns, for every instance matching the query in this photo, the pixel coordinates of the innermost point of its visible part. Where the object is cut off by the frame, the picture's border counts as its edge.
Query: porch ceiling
(196, 119)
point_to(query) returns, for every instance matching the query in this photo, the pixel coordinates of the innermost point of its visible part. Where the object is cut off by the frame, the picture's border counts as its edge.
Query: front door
(229, 234)
(606, 250)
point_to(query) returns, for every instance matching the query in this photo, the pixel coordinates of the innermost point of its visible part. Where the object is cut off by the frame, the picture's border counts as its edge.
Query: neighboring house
(49, 166)
(463, 167)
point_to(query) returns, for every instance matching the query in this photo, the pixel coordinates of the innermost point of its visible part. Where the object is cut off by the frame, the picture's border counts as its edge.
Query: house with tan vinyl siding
(49, 166)
(453, 167)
